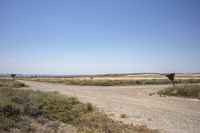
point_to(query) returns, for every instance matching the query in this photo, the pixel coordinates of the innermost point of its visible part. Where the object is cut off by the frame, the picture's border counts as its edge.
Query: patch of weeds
(63, 108)
(189, 91)
(98, 122)
(7, 123)
(9, 110)
(9, 116)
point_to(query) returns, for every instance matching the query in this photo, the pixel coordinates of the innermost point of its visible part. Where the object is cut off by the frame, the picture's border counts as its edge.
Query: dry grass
(9, 83)
(98, 122)
(188, 91)
(111, 82)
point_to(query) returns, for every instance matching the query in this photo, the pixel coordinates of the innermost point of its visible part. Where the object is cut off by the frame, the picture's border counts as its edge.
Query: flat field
(118, 80)
(143, 99)
(137, 105)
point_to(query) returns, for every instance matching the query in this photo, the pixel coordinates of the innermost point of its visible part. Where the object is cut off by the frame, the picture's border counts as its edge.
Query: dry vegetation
(19, 108)
(188, 91)
(112, 82)
(8, 83)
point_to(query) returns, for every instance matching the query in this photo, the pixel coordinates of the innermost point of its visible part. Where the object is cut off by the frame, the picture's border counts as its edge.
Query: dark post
(13, 78)
(171, 77)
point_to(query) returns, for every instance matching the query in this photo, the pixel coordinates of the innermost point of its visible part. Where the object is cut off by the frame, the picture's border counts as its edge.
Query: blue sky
(99, 36)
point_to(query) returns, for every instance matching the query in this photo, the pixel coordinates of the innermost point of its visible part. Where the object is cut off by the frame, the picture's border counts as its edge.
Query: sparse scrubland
(187, 91)
(35, 111)
(111, 82)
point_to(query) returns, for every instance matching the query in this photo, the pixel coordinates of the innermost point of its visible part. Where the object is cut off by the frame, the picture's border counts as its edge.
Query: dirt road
(169, 114)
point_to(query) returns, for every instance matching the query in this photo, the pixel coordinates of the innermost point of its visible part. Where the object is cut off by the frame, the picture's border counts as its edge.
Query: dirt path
(170, 114)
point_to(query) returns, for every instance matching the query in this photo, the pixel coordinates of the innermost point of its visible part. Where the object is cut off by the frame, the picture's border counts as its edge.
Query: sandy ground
(169, 114)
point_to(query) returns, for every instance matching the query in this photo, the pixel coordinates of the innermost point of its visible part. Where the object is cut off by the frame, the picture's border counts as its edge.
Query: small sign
(13, 75)
(171, 77)
(13, 78)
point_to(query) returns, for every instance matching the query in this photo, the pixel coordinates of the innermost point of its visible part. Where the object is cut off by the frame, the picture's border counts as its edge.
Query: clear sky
(99, 36)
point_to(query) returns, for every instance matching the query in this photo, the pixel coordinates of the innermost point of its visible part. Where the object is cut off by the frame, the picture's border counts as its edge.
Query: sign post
(171, 77)
(13, 78)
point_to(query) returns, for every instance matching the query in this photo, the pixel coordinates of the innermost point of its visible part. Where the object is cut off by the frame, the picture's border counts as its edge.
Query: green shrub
(38, 99)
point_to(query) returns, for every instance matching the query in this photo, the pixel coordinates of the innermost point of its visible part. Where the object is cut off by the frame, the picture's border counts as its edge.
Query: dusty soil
(169, 114)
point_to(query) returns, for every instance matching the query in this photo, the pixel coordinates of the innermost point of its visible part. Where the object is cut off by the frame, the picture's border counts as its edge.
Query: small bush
(74, 100)
(89, 107)
(10, 110)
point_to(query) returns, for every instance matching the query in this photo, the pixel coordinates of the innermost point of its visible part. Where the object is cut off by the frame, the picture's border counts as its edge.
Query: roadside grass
(8, 83)
(188, 91)
(102, 82)
(17, 104)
